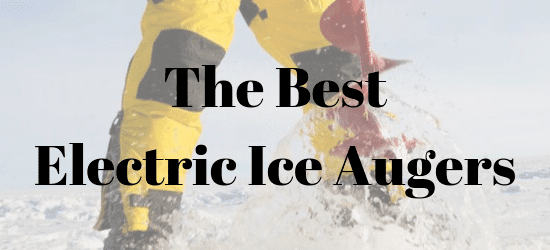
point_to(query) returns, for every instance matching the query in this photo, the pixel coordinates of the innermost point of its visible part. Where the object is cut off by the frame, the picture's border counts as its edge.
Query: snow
(62, 218)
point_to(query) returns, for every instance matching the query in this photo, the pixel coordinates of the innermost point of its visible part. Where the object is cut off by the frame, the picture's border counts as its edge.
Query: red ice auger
(345, 25)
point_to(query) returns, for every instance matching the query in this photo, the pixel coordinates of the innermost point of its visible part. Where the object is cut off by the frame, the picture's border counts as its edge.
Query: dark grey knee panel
(328, 63)
(177, 48)
(249, 10)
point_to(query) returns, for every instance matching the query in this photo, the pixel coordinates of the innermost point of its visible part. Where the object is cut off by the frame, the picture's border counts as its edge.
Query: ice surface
(216, 219)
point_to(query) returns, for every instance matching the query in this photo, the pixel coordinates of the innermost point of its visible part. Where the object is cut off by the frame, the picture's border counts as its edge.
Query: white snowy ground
(62, 218)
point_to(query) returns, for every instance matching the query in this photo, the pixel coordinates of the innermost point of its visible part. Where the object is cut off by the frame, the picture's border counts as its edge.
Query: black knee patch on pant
(328, 63)
(249, 10)
(177, 48)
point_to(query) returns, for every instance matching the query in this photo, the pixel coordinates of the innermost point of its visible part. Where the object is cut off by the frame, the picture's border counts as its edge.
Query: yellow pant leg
(286, 29)
(289, 31)
(289, 27)
(176, 34)
(172, 134)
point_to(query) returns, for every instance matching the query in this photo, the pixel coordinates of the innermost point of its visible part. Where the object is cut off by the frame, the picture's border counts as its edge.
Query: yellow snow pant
(189, 34)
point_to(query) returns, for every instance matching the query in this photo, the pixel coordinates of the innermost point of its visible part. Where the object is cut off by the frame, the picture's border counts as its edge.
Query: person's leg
(289, 30)
(176, 34)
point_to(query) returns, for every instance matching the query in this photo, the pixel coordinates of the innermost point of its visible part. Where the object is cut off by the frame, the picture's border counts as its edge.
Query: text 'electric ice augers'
(345, 25)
